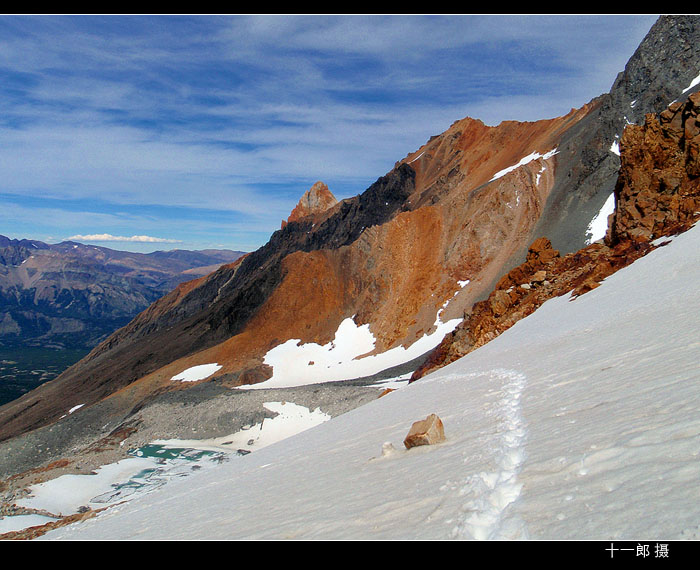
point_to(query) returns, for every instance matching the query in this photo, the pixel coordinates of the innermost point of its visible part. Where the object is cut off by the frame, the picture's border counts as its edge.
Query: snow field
(491, 493)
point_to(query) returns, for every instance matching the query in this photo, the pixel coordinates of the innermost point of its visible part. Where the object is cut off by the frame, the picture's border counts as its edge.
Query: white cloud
(110, 237)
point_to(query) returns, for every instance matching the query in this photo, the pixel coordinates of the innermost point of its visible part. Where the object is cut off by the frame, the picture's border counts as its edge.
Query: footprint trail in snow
(490, 494)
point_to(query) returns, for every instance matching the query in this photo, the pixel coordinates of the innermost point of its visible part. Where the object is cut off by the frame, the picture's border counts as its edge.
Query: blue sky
(204, 131)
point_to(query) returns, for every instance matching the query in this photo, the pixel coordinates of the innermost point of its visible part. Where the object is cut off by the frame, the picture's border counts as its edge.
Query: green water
(171, 463)
(162, 452)
(23, 369)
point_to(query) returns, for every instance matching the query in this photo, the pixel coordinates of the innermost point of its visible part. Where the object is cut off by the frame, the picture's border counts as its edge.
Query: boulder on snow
(425, 432)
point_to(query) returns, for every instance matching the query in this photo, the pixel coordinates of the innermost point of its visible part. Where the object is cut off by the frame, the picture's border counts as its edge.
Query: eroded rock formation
(659, 177)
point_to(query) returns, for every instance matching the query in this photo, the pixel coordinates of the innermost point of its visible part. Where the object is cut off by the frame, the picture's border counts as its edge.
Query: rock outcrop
(661, 70)
(316, 200)
(659, 183)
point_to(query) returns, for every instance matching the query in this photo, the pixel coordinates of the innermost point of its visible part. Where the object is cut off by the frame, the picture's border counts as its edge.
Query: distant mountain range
(73, 295)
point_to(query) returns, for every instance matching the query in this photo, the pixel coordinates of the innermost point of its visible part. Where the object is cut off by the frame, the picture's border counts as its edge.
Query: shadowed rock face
(464, 207)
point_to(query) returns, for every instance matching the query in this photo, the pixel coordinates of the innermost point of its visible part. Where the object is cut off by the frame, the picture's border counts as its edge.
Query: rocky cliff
(660, 71)
(659, 182)
(315, 200)
(398, 265)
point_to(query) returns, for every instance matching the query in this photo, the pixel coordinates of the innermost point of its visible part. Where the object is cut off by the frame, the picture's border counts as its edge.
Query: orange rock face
(659, 183)
(316, 200)
(456, 226)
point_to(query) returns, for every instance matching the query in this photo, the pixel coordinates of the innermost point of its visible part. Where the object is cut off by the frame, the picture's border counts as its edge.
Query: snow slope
(580, 422)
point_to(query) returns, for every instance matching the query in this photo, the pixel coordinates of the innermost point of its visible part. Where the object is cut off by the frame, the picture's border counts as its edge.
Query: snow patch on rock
(523, 161)
(297, 364)
(599, 224)
(693, 83)
(195, 373)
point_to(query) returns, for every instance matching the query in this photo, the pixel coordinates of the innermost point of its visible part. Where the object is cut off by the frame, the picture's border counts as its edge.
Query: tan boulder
(539, 276)
(425, 432)
(499, 302)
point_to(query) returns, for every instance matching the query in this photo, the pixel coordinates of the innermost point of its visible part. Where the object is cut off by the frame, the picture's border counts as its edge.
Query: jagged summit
(315, 200)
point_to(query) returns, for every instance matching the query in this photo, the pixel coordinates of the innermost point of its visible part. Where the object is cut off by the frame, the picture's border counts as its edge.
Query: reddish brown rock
(499, 302)
(659, 183)
(658, 193)
(316, 200)
(541, 252)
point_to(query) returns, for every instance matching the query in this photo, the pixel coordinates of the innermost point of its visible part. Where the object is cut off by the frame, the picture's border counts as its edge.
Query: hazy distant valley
(58, 301)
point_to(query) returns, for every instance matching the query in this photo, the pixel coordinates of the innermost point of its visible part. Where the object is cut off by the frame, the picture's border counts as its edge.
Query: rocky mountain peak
(315, 200)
